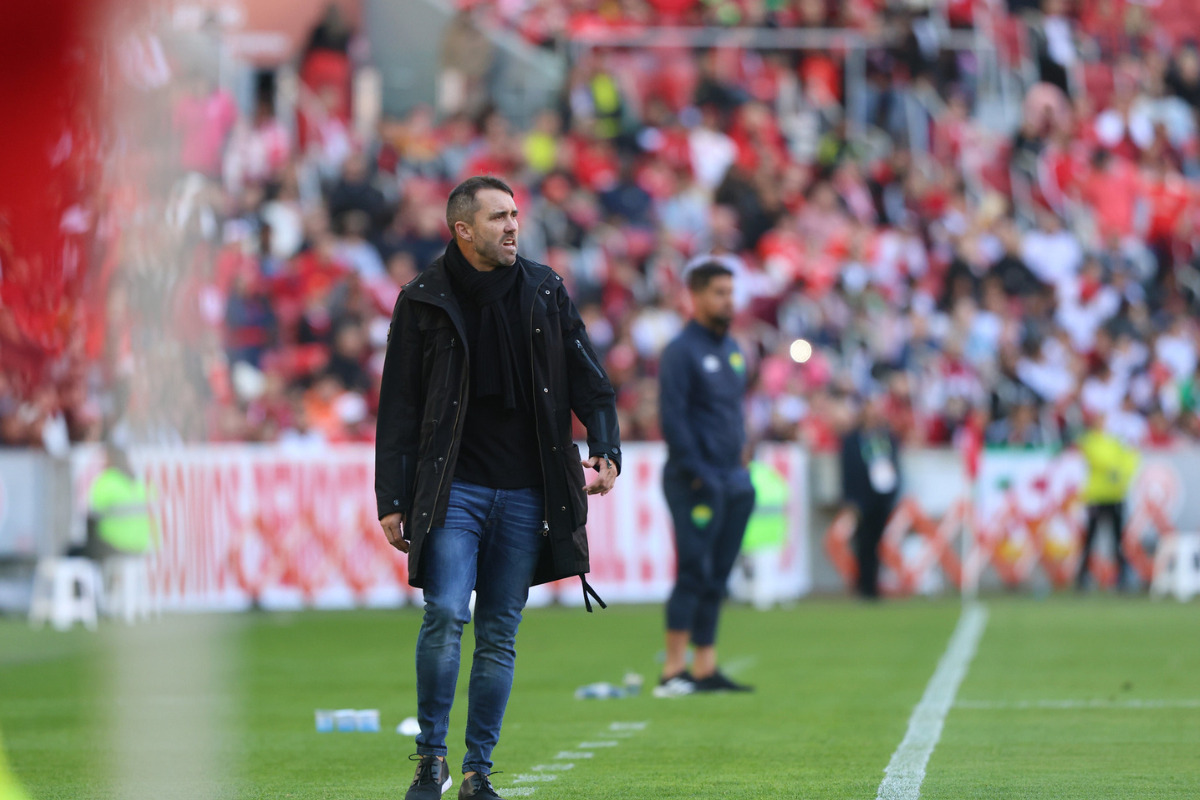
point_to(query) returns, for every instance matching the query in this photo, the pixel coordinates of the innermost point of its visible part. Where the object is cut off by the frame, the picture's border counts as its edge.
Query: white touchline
(538, 777)
(567, 755)
(519, 791)
(598, 744)
(906, 770)
(553, 767)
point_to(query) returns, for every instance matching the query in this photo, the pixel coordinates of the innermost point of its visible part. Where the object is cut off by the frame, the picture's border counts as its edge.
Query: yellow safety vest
(768, 524)
(606, 103)
(120, 504)
(1111, 467)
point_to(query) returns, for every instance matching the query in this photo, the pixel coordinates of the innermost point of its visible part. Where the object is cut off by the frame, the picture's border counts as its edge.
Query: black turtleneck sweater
(499, 447)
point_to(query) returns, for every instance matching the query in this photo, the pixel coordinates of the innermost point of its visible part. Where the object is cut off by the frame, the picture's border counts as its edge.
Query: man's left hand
(607, 477)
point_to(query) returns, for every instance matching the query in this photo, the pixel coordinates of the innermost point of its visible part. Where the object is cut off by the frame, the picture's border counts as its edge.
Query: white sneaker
(676, 686)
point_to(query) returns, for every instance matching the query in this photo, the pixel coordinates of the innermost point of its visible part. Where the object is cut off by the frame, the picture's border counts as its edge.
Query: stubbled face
(492, 234)
(714, 303)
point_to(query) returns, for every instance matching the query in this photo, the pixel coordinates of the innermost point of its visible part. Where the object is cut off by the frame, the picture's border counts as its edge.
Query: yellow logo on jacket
(738, 362)
(701, 515)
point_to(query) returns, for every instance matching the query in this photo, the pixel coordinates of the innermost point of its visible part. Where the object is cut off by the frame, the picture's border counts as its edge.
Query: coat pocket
(576, 484)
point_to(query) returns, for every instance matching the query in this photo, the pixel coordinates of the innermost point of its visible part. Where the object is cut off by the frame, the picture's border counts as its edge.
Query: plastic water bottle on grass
(599, 691)
(367, 720)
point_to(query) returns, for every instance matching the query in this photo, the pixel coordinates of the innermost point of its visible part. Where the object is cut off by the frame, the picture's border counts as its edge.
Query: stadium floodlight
(801, 351)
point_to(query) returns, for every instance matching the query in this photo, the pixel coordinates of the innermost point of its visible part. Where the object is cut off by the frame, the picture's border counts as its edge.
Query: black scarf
(494, 362)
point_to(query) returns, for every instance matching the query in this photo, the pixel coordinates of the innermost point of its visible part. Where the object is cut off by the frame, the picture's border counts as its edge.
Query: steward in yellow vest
(767, 528)
(119, 519)
(1111, 466)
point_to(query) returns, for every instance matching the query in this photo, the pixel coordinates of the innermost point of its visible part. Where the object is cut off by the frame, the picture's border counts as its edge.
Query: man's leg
(730, 528)
(450, 554)
(866, 541)
(1116, 518)
(95, 548)
(1089, 536)
(693, 513)
(508, 554)
(676, 652)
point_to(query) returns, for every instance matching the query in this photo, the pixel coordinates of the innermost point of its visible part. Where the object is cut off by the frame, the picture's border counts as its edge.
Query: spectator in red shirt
(204, 117)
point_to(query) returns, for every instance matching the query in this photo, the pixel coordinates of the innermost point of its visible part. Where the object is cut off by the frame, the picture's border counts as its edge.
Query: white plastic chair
(127, 588)
(65, 591)
(1177, 567)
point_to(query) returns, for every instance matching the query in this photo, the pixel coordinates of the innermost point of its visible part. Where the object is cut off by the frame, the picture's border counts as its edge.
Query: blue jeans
(490, 543)
(710, 523)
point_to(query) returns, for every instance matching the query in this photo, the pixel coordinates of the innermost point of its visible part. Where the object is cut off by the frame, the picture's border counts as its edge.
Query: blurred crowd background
(999, 250)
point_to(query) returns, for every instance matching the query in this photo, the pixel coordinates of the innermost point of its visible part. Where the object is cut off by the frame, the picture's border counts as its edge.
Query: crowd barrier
(245, 525)
(33, 520)
(1019, 526)
(262, 526)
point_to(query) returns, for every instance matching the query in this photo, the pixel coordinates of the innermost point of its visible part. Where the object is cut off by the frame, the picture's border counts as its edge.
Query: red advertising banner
(244, 525)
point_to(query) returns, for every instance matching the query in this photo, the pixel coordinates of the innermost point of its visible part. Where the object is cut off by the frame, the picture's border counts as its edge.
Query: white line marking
(541, 777)
(1023, 705)
(906, 770)
(545, 773)
(628, 726)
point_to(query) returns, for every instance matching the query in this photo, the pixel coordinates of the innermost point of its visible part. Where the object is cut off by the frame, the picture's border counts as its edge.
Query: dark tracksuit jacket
(702, 381)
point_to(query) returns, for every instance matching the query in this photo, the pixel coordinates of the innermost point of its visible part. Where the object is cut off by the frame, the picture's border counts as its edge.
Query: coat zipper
(446, 385)
(587, 357)
(453, 429)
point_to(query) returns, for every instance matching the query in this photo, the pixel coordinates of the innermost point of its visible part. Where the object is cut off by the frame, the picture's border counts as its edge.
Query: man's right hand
(393, 526)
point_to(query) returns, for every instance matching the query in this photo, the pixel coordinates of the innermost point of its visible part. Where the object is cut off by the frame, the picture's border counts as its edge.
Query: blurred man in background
(119, 518)
(1111, 466)
(870, 487)
(706, 483)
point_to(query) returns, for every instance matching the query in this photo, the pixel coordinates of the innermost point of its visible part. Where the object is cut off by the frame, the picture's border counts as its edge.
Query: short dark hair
(701, 275)
(461, 205)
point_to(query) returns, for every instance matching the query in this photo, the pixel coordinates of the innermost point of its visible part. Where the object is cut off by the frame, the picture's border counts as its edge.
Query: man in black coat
(476, 475)
(870, 486)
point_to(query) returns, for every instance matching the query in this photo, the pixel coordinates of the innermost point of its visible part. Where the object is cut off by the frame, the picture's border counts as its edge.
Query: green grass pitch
(1069, 697)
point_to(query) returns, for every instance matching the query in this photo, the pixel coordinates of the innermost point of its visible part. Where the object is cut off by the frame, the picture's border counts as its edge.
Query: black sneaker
(477, 786)
(432, 779)
(718, 682)
(676, 685)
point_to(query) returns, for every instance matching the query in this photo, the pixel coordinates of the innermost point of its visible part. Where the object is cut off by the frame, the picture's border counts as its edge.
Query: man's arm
(400, 410)
(675, 386)
(592, 396)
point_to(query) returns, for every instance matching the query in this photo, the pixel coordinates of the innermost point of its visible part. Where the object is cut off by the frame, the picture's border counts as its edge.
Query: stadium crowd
(887, 241)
